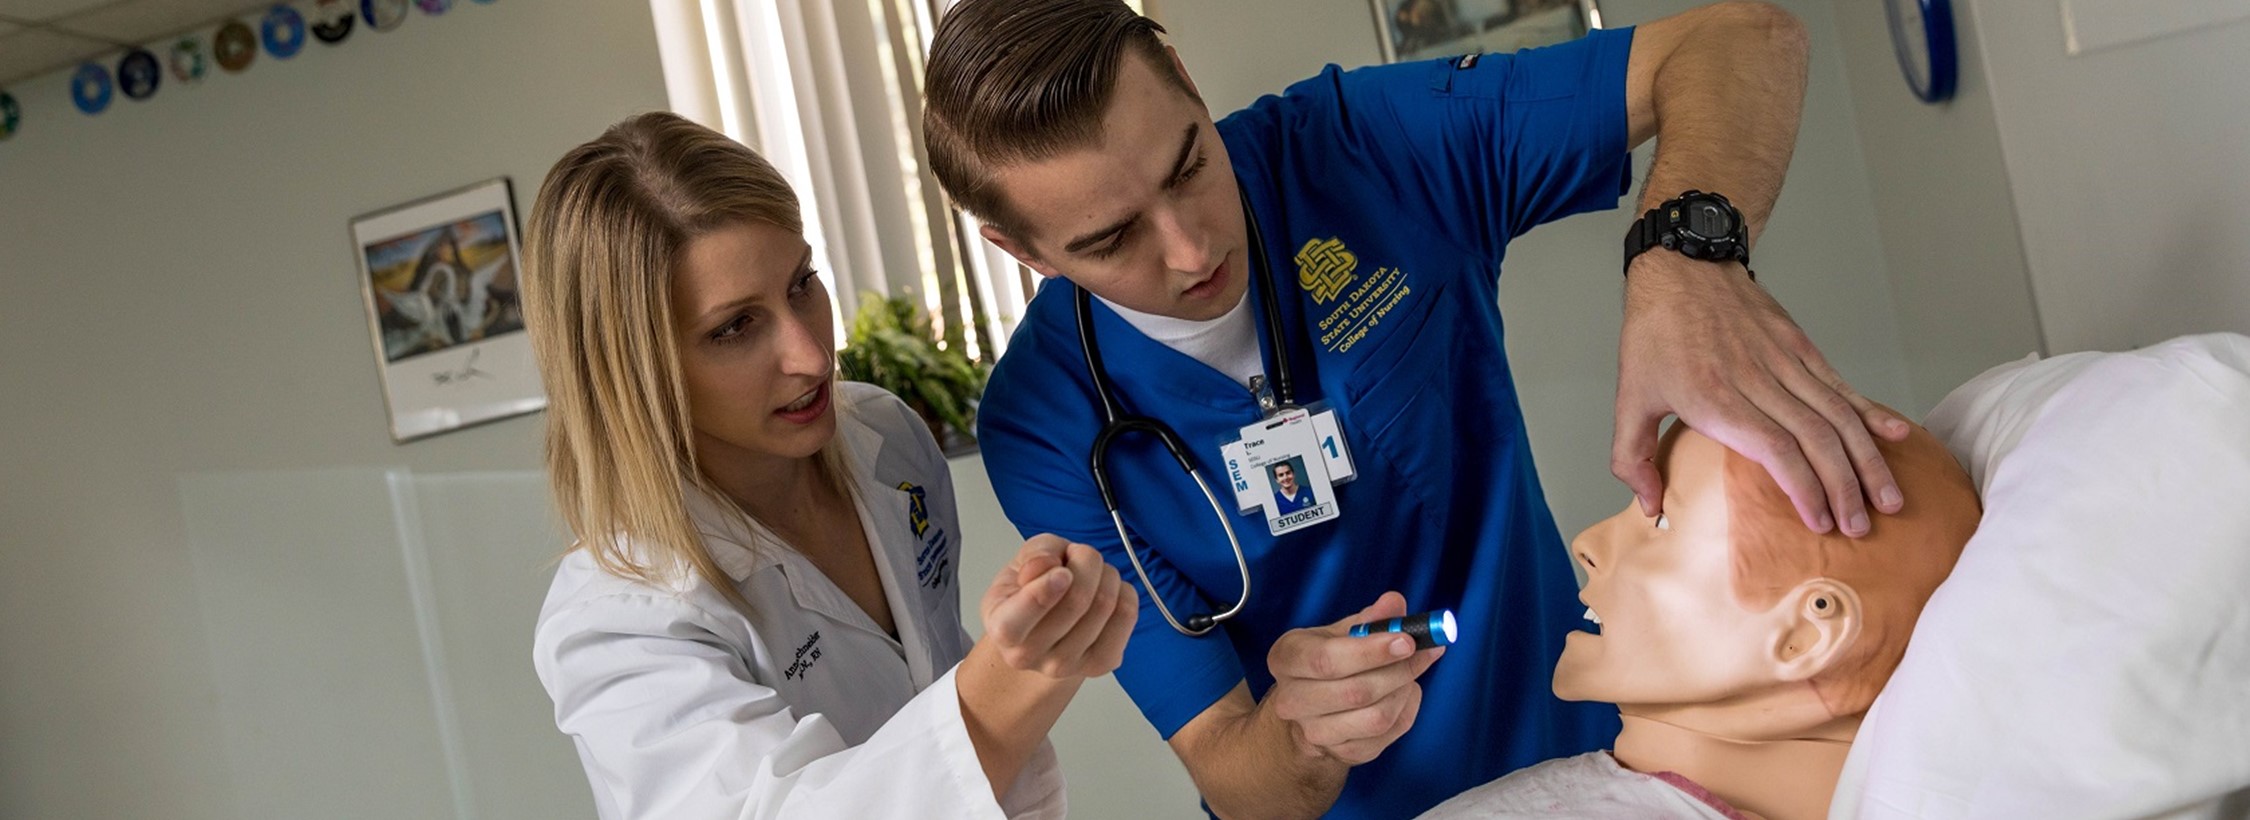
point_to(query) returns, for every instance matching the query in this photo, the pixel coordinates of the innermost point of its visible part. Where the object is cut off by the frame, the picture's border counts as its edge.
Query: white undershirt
(1229, 344)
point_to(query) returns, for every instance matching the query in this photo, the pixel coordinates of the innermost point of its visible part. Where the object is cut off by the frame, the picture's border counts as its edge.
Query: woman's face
(756, 345)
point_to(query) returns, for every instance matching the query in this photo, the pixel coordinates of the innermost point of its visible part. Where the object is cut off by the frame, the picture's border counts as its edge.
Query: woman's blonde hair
(607, 234)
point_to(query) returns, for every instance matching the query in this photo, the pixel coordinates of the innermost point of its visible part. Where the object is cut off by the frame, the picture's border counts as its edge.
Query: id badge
(1328, 438)
(1285, 466)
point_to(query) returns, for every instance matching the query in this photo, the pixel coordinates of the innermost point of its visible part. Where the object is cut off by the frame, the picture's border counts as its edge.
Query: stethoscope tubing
(1116, 423)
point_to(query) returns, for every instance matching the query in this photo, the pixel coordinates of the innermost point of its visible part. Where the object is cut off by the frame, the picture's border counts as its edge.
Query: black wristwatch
(1698, 225)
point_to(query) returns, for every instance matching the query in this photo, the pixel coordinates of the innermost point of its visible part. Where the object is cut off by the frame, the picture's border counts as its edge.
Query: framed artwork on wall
(1427, 29)
(439, 278)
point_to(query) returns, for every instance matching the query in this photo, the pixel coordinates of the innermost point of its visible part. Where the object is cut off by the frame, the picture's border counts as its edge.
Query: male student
(1341, 242)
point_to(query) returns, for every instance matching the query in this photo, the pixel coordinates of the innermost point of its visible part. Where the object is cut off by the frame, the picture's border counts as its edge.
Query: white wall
(1944, 210)
(2057, 203)
(2130, 170)
(207, 605)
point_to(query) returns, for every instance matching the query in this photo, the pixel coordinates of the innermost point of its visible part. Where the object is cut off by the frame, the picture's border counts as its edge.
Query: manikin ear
(1817, 622)
(1019, 250)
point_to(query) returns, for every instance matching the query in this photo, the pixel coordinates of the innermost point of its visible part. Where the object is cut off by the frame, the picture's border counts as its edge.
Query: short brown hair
(1023, 80)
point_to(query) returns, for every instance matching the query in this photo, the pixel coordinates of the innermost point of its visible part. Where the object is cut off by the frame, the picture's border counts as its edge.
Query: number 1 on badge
(1333, 448)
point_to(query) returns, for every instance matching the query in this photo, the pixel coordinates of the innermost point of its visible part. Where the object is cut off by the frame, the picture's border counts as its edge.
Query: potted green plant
(893, 344)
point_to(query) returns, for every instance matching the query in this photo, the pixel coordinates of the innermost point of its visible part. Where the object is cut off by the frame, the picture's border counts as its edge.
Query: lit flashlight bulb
(1429, 629)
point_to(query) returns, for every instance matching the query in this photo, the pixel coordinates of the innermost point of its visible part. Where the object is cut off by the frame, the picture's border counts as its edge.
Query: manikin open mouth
(1594, 618)
(802, 402)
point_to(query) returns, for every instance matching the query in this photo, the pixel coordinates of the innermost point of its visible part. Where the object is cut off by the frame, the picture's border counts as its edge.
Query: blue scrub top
(1387, 196)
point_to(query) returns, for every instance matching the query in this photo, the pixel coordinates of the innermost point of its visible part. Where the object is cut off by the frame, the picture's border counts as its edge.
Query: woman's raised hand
(1059, 610)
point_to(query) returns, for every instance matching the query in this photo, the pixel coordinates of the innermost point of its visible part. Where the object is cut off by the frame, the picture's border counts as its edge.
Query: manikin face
(1285, 477)
(756, 347)
(1149, 218)
(1670, 629)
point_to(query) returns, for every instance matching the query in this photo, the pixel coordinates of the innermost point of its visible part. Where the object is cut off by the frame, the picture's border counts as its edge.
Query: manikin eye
(1663, 522)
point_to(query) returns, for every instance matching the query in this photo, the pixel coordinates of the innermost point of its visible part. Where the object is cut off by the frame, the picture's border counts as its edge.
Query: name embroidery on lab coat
(807, 653)
(929, 564)
(1324, 268)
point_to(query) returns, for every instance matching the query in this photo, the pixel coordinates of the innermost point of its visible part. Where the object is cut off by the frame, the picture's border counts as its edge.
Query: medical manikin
(1740, 647)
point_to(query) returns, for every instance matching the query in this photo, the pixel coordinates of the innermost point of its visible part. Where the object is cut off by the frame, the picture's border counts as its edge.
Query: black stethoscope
(1116, 423)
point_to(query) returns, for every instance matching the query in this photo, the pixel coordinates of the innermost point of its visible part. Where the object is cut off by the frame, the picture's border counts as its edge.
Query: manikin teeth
(802, 402)
(1597, 619)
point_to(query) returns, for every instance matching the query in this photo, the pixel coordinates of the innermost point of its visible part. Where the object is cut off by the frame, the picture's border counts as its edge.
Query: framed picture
(439, 277)
(1425, 29)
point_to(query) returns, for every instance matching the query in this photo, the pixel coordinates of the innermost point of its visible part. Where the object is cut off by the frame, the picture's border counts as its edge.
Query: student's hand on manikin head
(1703, 342)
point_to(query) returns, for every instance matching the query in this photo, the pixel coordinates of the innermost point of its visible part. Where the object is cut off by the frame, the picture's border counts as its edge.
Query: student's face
(1286, 478)
(756, 347)
(1148, 218)
(1671, 631)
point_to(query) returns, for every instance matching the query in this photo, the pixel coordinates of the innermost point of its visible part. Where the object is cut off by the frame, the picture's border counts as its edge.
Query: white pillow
(2090, 654)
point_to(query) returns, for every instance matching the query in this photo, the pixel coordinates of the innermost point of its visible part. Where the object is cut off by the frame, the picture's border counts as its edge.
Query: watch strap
(1650, 229)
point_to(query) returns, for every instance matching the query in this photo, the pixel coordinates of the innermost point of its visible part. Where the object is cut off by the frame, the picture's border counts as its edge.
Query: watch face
(1709, 219)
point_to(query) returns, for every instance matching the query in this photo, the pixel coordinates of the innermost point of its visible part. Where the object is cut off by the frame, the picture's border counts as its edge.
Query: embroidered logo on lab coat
(937, 547)
(1324, 267)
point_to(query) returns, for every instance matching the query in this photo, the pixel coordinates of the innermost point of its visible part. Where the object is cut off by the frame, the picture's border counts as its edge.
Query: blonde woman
(760, 616)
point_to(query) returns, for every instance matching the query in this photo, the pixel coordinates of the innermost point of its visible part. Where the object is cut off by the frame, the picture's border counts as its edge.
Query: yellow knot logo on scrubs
(1324, 267)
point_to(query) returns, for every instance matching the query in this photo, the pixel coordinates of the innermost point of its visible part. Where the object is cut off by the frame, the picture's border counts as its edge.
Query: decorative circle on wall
(234, 46)
(138, 74)
(1922, 34)
(283, 31)
(383, 15)
(10, 115)
(433, 8)
(189, 63)
(332, 21)
(90, 88)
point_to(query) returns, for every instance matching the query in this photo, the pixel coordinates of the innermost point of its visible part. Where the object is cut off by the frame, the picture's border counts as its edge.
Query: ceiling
(38, 36)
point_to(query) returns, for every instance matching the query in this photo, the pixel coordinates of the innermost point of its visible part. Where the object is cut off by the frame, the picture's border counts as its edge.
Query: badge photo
(1327, 439)
(1283, 462)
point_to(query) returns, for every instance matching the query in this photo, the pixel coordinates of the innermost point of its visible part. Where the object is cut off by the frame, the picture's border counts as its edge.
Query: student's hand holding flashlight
(1348, 697)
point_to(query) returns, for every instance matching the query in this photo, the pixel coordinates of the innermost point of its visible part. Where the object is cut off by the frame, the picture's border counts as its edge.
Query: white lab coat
(683, 707)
